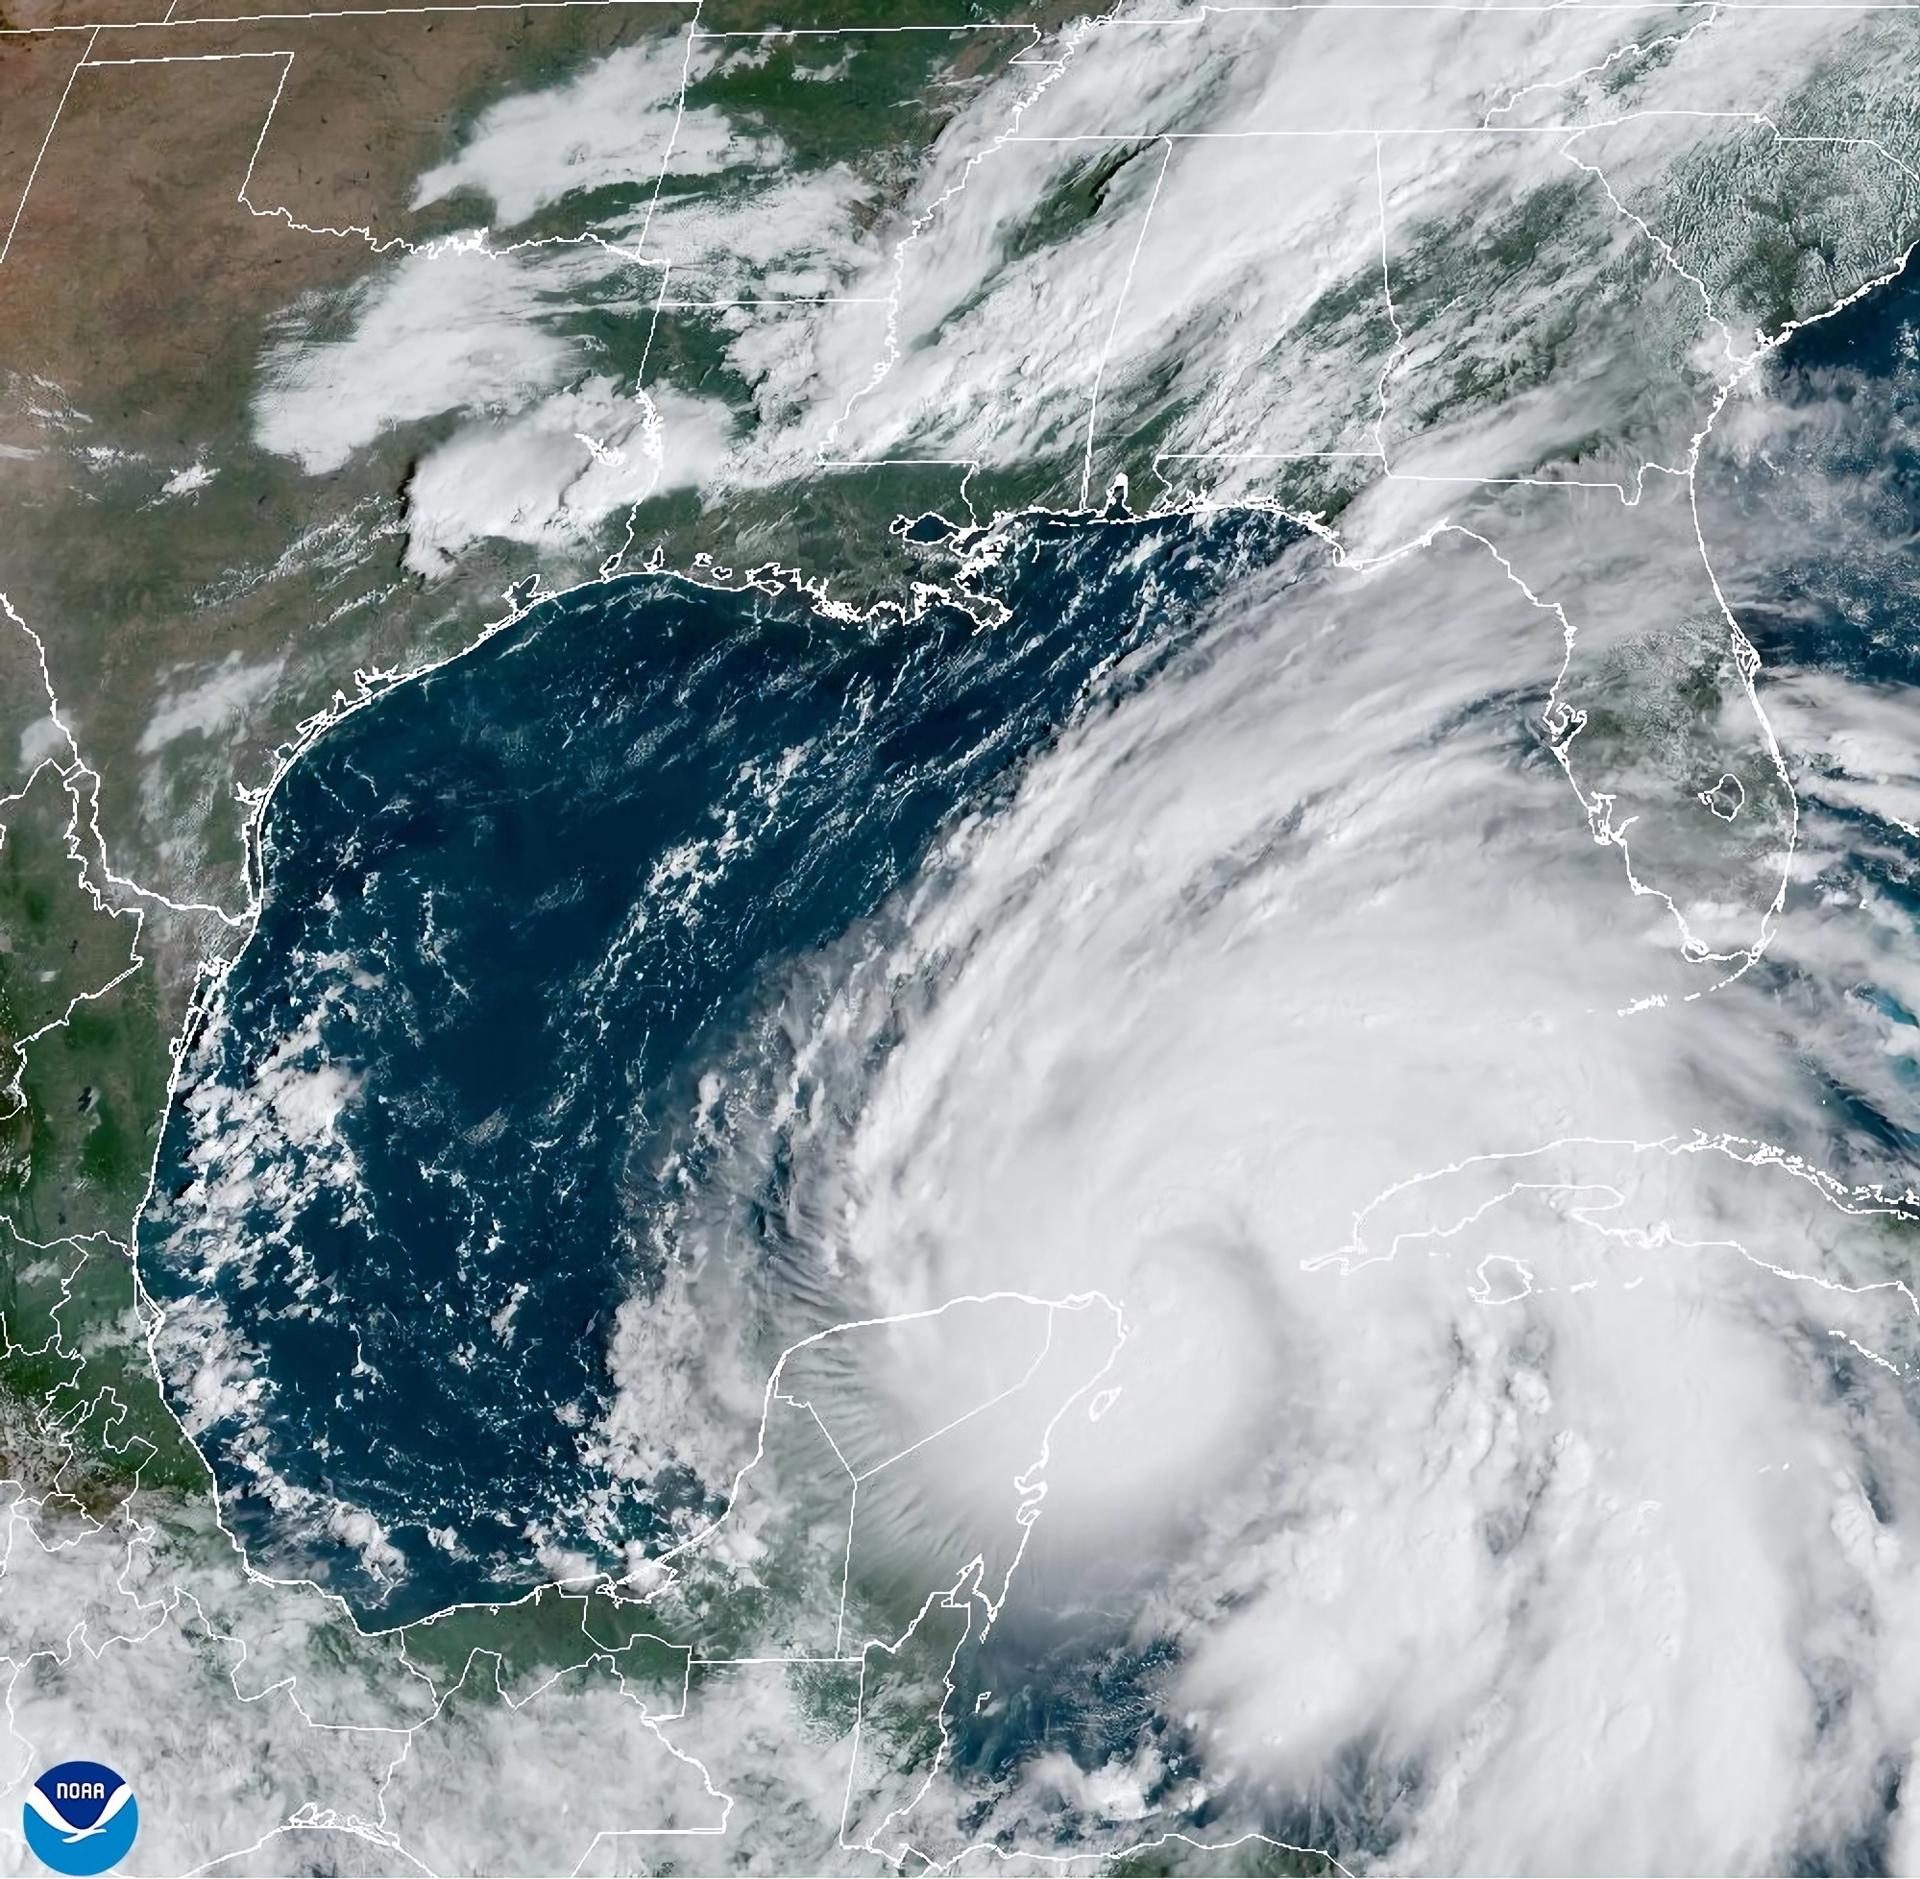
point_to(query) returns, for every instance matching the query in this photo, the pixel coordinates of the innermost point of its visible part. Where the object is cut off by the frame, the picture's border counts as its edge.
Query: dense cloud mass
(1500, 1424)
(1257, 1188)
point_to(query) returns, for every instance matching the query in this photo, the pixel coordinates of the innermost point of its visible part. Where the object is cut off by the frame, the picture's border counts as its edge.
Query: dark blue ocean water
(1841, 468)
(519, 906)
(509, 911)
(1815, 531)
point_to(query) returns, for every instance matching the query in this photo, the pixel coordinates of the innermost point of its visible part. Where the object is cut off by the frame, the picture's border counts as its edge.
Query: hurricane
(1238, 1104)
(965, 945)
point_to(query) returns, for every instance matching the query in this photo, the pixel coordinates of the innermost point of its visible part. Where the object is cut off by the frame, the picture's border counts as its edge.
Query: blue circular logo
(80, 1818)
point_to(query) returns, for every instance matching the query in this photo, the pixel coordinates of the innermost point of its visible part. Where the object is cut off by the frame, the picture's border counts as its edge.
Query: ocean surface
(1814, 530)
(511, 911)
(515, 912)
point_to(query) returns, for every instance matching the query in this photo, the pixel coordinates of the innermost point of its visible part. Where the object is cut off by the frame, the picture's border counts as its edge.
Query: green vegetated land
(73, 1128)
(77, 1142)
(271, 563)
(1246, 1859)
(82, 1410)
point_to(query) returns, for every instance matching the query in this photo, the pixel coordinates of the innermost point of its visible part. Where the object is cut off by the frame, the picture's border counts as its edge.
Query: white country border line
(176, 1599)
(149, 1615)
(1067, 1859)
(80, 1248)
(1356, 1253)
(962, 1595)
(78, 769)
(79, 774)
(1051, 1858)
(1028, 1484)
(959, 1597)
(12, 1096)
(82, 787)
(1536, 603)
(210, 973)
(649, 1721)
(660, 1573)
(1031, 1486)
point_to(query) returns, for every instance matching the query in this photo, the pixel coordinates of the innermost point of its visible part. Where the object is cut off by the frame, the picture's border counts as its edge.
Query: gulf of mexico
(405, 1182)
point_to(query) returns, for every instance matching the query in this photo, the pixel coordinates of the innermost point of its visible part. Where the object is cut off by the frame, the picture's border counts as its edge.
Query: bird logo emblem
(80, 1817)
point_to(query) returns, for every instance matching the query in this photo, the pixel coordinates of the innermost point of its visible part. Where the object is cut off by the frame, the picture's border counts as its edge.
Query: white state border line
(689, 10)
(1711, 15)
(178, 1595)
(180, 22)
(477, 242)
(186, 58)
(1599, 810)
(971, 465)
(1503, 8)
(1113, 325)
(1600, 806)
(26, 188)
(1382, 131)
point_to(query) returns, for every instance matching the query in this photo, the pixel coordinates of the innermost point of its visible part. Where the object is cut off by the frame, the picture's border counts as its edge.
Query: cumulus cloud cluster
(1233, 256)
(1508, 1462)
(1421, 1028)
(1512, 1448)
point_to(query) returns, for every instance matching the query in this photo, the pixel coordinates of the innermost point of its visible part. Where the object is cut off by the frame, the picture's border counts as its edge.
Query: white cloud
(195, 476)
(550, 476)
(611, 124)
(1286, 929)
(219, 700)
(40, 740)
(1581, 1525)
(451, 329)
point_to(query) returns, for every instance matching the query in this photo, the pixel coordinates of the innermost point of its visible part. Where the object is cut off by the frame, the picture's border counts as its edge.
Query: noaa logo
(80, 1818)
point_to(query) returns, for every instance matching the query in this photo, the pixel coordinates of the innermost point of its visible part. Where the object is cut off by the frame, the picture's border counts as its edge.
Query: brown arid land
(182, 188)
